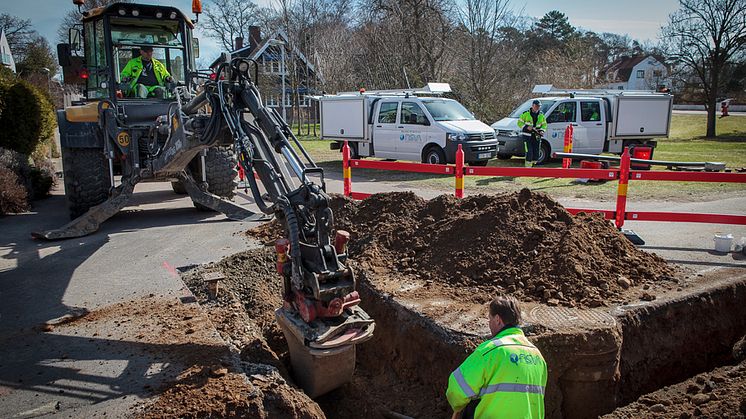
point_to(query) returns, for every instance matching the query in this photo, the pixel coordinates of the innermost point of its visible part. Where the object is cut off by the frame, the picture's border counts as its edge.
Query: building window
(657, 73)
(640, 74)
(620, 87)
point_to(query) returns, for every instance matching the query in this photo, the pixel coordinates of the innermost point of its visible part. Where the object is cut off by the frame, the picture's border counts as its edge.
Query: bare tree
(225, 20)
(19, 33)
(704, 37)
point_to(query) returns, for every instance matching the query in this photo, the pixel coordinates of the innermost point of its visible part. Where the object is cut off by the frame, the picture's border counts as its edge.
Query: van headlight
(456, 136)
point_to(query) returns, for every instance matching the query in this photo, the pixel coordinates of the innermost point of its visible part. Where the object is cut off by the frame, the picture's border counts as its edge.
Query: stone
(700, 399)
(624, 282)
(658, 408)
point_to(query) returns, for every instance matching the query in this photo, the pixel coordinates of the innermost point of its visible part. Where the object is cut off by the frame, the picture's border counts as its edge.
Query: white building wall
(6, 56)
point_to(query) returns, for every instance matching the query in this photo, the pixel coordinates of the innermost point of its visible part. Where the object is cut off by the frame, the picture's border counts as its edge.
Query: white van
(403, 125)
(604, 121)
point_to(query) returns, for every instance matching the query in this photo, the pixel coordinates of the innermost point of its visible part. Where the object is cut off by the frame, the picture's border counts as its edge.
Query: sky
(640, 19)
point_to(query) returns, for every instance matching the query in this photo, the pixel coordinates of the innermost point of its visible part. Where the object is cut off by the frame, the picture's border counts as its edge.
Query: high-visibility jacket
(507, 374)
(527, 119)
(134, 66)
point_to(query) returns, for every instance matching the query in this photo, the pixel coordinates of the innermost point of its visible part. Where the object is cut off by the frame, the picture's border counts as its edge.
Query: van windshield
(545, 105)
(447, 110)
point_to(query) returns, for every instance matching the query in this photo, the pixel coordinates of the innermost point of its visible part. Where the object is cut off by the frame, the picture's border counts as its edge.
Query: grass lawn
(685, 144)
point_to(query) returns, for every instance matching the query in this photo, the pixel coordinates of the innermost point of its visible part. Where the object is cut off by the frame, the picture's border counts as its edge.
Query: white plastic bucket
(723, 242)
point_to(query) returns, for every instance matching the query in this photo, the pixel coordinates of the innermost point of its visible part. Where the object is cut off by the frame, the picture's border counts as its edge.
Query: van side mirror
(195, 47)
(73, 36)
(63, 54)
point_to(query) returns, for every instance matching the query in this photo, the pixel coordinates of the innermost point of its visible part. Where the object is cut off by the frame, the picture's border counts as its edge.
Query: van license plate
(484, 155)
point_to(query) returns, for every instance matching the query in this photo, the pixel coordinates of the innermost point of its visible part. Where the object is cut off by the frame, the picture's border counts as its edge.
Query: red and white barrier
(623, 175)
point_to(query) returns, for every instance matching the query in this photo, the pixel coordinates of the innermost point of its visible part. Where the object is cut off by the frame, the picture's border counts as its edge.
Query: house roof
(622, 66)
(265, 44)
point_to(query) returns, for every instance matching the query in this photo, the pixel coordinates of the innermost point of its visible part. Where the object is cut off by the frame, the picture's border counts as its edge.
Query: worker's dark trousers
(531, 146)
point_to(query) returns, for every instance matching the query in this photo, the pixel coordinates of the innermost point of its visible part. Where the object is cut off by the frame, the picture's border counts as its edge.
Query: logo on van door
(410, 137)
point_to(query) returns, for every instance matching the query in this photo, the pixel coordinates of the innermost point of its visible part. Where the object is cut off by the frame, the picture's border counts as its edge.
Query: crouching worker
(505, 377)
(145, 76)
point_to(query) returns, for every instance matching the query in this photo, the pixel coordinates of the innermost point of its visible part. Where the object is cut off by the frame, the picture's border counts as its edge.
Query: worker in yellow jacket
(505, 376)
(145, 76)
(532, 123)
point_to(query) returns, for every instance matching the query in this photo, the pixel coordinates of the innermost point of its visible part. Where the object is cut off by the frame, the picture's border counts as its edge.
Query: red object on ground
(724, 108)
(240, 173)
(642, 153)
(459, 172)
(589, 164)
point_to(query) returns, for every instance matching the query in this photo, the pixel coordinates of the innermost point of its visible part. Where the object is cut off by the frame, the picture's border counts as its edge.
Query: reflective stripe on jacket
(527, 119)
(133, 69)
(507, 374)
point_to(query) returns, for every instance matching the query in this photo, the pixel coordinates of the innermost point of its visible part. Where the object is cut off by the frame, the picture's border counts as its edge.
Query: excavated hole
(613, 322)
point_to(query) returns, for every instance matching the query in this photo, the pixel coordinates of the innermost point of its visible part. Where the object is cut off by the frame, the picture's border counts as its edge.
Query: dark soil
(720, 393)
(525, 244)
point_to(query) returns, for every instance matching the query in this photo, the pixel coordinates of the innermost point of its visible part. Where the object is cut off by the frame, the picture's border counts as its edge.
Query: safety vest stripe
(459, 376)
(512, 388)
(508, 341)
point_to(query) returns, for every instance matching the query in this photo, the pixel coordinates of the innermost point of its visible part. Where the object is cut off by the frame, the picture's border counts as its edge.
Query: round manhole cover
(562, 317)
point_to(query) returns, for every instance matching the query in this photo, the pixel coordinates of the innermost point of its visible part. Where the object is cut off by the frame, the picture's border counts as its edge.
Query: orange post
(567, 162)
(621, 196)
(346, 171)
(459, 172)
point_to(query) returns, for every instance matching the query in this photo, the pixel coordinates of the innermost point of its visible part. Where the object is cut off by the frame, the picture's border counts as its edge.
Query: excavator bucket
(329, 361)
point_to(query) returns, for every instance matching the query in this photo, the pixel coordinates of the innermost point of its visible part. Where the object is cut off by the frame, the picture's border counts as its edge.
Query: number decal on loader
(123, 138)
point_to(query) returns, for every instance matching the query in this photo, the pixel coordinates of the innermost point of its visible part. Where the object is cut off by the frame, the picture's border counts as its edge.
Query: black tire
(434, 155)
(178, 188)
(504, 156)
(480, 163)
(545, 153)
(222, 171)
(87, 181)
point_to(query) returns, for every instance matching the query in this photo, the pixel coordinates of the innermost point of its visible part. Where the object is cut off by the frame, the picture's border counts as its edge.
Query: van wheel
(434, 155)
(545, 153)
(504, 156)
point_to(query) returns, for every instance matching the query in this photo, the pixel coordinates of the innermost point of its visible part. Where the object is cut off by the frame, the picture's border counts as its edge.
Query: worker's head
(504, 312)
(535, 106)
(146, 52)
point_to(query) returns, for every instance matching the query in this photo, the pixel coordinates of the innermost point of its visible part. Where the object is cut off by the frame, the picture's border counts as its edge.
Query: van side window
(564, 112)
(590, 111)
(412, 114)
(387, 114)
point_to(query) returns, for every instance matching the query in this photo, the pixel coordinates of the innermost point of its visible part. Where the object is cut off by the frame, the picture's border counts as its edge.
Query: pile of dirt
(524, 243)
(719, 393)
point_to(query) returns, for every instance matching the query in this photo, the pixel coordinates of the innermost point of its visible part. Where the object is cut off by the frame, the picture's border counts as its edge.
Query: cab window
(96, 52)
(564, 112)
(412, 114)
(387, 113)
(590, 111)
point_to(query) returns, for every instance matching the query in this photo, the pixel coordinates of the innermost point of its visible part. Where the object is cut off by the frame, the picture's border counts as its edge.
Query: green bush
(27, 117)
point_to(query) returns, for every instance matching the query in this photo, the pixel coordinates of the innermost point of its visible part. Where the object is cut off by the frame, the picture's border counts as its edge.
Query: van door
(564, 114)
(385, 131)
(413, 124)
(592, 124)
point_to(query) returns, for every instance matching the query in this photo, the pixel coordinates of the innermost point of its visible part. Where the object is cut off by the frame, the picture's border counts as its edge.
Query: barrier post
(459, 172)
(621, 197)
(346, 171)
(567, 162)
